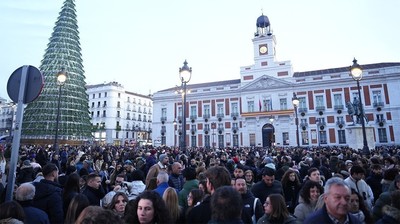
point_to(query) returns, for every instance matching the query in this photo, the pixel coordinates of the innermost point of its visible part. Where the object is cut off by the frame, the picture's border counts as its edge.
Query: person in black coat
(336, 208)
(92, 190)
(24, 196)
(217, 177)
(26, 173)
(268, 185)
(48, 194)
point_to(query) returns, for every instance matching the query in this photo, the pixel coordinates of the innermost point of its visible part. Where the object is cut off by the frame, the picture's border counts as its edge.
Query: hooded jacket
(48, 197)
(390, 215)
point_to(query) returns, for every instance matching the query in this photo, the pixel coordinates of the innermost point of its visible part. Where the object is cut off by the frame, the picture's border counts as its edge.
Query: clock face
(263, 49)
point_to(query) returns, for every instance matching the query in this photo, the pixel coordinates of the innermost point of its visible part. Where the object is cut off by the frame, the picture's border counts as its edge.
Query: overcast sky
(142, 44)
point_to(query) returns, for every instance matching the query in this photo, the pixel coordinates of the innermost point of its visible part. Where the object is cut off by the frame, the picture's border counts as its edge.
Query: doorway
(268, 135)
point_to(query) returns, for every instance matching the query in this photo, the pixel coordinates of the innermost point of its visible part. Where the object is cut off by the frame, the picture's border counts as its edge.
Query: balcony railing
(302, 109)
(206, 129)
(220, 115)
(206, 116)
(235, 128)
(193, 117)
(234, 114)
(338, 107)
(340, 123)
(303, 124)
(163, 119)
(320, 108)
(378, 104)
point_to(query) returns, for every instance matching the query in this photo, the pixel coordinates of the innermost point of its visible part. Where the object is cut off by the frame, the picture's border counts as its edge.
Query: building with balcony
(256, 109)
(119, 116)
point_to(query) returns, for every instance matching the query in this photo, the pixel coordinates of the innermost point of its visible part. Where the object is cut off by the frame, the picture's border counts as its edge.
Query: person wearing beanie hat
(26, 172)
(162, 165)
(267, 185)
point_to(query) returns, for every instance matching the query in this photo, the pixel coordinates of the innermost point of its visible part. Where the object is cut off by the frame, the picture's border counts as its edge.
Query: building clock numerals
(263, 49)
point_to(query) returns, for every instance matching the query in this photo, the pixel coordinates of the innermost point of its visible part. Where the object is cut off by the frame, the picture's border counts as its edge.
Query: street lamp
(296, 103)
(185, 73)
(61, 78)
(356, 73)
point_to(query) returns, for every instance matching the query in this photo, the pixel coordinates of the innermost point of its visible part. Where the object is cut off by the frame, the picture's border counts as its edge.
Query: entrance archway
(268, 135)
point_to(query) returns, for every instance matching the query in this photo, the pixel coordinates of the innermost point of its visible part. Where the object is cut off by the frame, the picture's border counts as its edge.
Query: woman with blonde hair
(170, 198)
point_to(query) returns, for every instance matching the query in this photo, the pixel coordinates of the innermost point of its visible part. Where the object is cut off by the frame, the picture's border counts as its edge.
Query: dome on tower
(262, 22)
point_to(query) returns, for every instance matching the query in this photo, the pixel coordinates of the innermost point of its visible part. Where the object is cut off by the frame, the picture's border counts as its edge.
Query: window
(98, 113)
(322, 137)
(98, 104)
(250, 106)
(104, 113)
(379, 118)
(234, 109)
(92, 104)
(206, 110)
(105, 94)
(129, 99)
(163, 112)
(180, 113)
(194, 142)
(92, 114)
(104, 103)
(337, 99)
(119, 104)
(267, 105)
(193, 112)
(304, 138)
(119, 95)
(342, 136)
(235, 139)
(163, 140)
(220, 109)
(382, 135)
(99, 95)
(320, 101)
(118, 114)
(207, 141)
(221, 141)
(283, 103)
(377, 97)
(285, 138)
(94, 96)
(302, 102)
(252, 138)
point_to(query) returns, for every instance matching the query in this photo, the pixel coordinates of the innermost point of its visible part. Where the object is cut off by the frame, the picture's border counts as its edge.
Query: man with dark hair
(48, 194)
(92, 190)
(189, 173)
(374, 180)
(226, 206)
(355, 181)
(217, 177)
(252, 206)
(267, 185)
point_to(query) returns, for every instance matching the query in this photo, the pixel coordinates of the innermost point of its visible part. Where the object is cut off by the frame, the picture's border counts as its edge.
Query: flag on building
(259, 104)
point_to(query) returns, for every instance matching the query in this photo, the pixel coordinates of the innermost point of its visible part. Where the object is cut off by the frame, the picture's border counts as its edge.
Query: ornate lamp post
(296, 103)
(356, 73)
(185, 73)
(61, 78)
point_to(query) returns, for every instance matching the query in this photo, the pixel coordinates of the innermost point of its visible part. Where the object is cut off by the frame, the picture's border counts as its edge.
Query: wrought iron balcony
(320, 108)
(163, 119)
(193, 117)
(206, 116)
(378, 104)
(220, 115)
(234, 114)
(338, 107)
(302, 109)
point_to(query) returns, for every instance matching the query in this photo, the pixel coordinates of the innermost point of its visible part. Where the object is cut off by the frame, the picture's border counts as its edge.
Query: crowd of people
(116, 184)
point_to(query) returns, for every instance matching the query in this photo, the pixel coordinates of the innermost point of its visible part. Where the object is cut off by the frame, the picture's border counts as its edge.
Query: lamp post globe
(185, 74)
(296, 102)
(356, 73)
(61, 78)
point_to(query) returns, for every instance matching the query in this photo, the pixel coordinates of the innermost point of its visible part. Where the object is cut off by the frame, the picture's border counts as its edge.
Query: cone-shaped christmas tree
(63, 53)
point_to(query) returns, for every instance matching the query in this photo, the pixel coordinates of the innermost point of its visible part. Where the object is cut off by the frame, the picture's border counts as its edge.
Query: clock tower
(264, 41)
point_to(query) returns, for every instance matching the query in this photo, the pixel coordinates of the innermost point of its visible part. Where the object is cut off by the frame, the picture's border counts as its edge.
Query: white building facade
(119, 117)
(257, 109)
